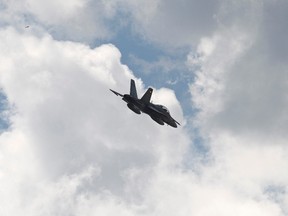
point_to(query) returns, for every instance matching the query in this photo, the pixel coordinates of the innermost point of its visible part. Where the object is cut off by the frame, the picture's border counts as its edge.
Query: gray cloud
(240, 91)
(174, 23)
(274, 31)
(251, 85)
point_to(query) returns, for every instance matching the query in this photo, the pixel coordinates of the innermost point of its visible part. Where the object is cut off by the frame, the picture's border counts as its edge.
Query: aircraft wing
(116, 93)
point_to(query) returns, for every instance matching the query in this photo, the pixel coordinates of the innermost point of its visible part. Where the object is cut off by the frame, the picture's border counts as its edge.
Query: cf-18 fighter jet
(158, 113)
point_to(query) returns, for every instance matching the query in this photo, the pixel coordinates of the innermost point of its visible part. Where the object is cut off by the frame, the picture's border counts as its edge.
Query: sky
(68, 146)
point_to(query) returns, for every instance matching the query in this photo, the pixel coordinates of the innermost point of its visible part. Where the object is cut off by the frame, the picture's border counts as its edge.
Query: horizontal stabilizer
(116, 93)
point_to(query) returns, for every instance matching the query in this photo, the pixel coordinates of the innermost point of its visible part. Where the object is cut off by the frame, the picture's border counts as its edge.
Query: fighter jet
(158, 113)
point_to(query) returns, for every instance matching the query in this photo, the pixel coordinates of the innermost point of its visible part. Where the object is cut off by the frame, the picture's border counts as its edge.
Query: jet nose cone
(173, 125)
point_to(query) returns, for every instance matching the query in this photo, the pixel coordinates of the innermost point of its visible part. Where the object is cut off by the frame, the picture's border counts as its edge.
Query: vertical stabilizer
(147, 96)
(133, 91)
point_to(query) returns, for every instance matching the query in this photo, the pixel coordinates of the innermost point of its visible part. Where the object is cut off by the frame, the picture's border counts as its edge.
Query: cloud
(239, 91)
(70, 138)
(54, 12)
(168, 23)
(246, 80)
(162, 65)
(74, 148)
(77, 20)
(173, 23)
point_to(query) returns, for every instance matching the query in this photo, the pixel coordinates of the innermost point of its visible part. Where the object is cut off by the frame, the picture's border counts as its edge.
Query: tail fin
(133, 91)
(147, 96)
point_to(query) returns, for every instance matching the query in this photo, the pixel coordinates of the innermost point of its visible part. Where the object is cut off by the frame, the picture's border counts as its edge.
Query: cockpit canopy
(164, 108)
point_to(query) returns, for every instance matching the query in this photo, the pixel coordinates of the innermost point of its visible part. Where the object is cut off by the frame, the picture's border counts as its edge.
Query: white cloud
(74, 148)
(186, 195)
(215, 57)
(68, 121)
(77, 20)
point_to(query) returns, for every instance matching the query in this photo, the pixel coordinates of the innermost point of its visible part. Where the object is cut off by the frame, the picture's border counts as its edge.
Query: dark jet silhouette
(158, 113)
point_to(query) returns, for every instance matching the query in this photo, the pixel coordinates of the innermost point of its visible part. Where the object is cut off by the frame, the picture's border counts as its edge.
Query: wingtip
(113, 92)
(116, 93)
